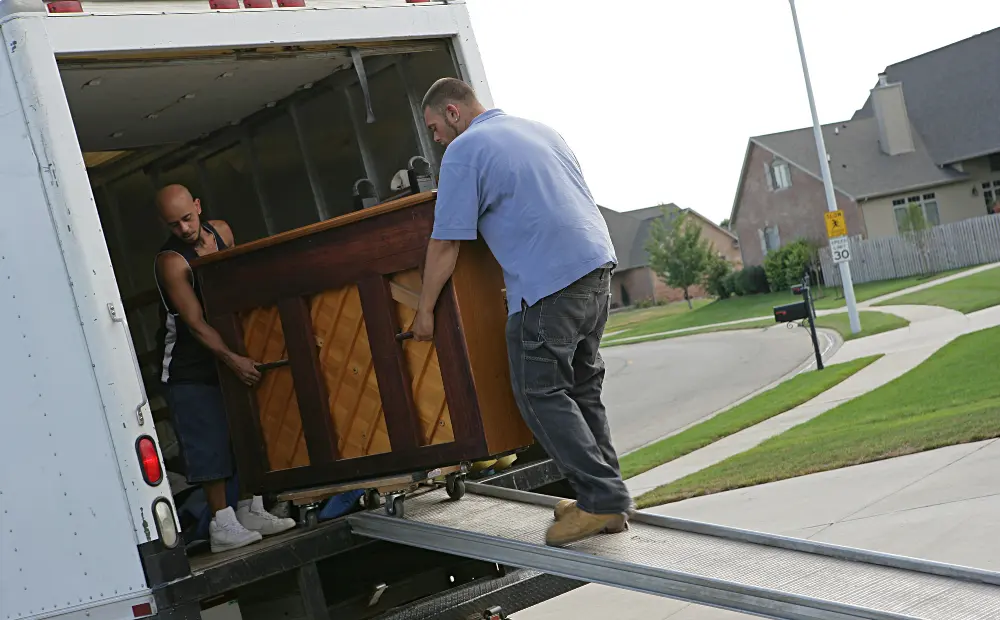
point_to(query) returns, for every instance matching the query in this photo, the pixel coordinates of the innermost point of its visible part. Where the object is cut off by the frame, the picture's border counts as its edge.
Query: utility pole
(824, 165)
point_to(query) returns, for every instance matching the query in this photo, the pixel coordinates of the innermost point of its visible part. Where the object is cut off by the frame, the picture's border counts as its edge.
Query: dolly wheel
(394, 506)
(455, 485)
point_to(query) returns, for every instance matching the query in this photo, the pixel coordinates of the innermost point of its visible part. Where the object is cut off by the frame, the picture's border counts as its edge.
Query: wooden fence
(962, 244)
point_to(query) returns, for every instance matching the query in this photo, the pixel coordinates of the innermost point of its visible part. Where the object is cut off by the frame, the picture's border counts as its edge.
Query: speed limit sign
(840, 247)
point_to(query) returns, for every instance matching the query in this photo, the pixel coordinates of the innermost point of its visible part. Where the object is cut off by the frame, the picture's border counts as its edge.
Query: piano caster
(309, 515)
(373, 499)
(394, 505)
(455, 486)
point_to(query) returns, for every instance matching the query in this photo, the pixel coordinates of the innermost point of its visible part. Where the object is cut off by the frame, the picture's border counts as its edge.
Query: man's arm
(175, 274)
(456, 219)
(438, 267)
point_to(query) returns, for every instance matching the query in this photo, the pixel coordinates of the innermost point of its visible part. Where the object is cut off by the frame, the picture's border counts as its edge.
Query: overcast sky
(659, 97)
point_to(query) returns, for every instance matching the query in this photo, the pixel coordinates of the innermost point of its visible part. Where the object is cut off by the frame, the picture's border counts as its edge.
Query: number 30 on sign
(840, 247)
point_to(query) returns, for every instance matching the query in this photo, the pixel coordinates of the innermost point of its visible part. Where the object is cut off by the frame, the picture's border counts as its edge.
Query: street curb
(834, 342)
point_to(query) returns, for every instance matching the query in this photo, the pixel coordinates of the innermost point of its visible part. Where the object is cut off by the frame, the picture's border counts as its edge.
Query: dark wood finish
(241, 410)
(390, 366)
(310, 389)
(459, 384)
(370, 405)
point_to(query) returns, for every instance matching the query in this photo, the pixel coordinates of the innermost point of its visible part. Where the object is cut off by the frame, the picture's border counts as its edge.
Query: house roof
(952, 97)
(630, 229)
(858, 166)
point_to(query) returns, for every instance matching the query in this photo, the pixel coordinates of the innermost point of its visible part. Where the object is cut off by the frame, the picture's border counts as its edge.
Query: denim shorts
(199, 418)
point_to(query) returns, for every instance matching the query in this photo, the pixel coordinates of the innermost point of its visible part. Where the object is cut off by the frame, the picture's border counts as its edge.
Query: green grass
(871, 323)
(944, 401)
(616, 339)
(965, 295)
(784, 397)
(630, 318)
(677, 316)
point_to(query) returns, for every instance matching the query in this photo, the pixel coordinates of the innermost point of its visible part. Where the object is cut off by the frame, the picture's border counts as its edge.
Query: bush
(785, 267)
(750, 281)
(732, 282)
(716, 276)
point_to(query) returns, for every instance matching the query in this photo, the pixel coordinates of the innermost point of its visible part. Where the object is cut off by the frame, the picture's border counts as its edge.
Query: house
(634, 280)
(926, 141)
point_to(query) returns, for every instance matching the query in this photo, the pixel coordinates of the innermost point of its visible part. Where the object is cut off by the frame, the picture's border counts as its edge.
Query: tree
(677, 253)
(724, 224)
(717, 278)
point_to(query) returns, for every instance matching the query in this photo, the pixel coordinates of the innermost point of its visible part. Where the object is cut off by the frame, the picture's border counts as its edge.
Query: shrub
(785, 267)
(716, 276)
(751, 281)
(732, 282)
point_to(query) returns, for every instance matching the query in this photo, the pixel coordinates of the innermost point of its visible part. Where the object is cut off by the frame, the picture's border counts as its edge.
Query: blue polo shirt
(517, 183)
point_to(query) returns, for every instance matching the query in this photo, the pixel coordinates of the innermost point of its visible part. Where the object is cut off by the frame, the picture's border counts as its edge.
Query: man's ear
(197, 205)
(453, 113)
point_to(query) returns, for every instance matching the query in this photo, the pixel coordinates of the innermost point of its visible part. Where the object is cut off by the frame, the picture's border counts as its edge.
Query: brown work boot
(614, 527)
(576, 524)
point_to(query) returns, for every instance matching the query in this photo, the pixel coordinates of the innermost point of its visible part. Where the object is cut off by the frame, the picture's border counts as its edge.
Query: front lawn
(948, 399)
(968, 294)
(871, 323)
(677, 316)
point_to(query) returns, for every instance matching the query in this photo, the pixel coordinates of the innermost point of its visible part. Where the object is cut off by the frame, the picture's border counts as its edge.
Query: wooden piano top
(343, 220)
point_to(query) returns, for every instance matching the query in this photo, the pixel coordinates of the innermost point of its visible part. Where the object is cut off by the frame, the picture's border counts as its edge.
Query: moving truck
(277, 114)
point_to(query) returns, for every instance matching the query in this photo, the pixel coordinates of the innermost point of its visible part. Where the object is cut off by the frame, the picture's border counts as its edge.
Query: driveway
(653, 389)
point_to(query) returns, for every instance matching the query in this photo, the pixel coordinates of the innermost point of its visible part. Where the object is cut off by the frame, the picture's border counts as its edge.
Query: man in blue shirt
(518, 184)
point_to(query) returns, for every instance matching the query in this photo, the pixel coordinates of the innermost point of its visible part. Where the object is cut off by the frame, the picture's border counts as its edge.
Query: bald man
(190, 349)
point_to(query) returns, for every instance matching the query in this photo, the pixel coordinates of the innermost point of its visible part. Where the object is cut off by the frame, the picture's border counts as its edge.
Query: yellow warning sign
(835, 224)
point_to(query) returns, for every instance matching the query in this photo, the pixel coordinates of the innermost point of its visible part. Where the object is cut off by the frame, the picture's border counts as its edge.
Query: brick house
(634, 280)
(936, 148)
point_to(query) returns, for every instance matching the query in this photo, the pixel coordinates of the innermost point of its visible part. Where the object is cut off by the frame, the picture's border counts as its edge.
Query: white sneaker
(226, 533)
(252, 516)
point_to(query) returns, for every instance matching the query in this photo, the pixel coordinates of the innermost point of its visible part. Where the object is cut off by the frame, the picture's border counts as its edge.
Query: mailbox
(791, 312)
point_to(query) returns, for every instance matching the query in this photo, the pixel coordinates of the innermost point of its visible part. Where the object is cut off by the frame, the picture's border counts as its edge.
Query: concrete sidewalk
(940, 505)
(903, 350)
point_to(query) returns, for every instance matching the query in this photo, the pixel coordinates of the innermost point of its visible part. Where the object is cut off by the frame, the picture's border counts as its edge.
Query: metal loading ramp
(739, 570)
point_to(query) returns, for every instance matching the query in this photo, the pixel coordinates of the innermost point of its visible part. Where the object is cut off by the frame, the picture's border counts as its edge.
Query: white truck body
(74, 506)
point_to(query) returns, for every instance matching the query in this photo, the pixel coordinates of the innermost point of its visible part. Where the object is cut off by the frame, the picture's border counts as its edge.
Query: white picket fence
(962, 244)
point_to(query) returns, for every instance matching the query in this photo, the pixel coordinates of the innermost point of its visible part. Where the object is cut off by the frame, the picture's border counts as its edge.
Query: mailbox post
(800, 310)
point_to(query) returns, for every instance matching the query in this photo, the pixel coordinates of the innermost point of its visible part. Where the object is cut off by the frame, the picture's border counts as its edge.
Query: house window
(916, 212)
(778, 175)
(770, 240)
(994, 162)
(991, 194)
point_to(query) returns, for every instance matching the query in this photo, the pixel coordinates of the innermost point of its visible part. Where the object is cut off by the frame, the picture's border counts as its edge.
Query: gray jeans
(557, 373)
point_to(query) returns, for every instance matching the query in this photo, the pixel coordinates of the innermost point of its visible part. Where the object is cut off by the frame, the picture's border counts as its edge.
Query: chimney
(894, 133)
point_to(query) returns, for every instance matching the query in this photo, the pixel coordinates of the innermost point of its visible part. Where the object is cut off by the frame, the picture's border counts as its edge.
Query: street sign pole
(831, 199)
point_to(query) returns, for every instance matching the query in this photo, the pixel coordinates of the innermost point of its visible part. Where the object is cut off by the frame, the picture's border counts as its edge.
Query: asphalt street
(653, 389)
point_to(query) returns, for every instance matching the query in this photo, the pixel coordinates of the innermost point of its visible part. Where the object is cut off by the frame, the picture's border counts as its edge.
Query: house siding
(956, 201)
(797, 211)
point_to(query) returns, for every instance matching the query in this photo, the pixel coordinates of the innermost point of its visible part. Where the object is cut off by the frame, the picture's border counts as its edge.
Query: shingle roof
(953, 97)
(857, 165)
(630, 229)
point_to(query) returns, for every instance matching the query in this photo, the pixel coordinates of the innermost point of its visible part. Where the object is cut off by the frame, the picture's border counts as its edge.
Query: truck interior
(268, 139)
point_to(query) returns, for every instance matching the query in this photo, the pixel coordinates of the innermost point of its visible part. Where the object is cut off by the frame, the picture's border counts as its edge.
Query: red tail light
(292, 3)
(224, 4)
(258, 4)
(65, 6)
(149, 459)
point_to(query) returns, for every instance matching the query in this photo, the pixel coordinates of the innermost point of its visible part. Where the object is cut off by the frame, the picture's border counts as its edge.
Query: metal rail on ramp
(739, 570)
